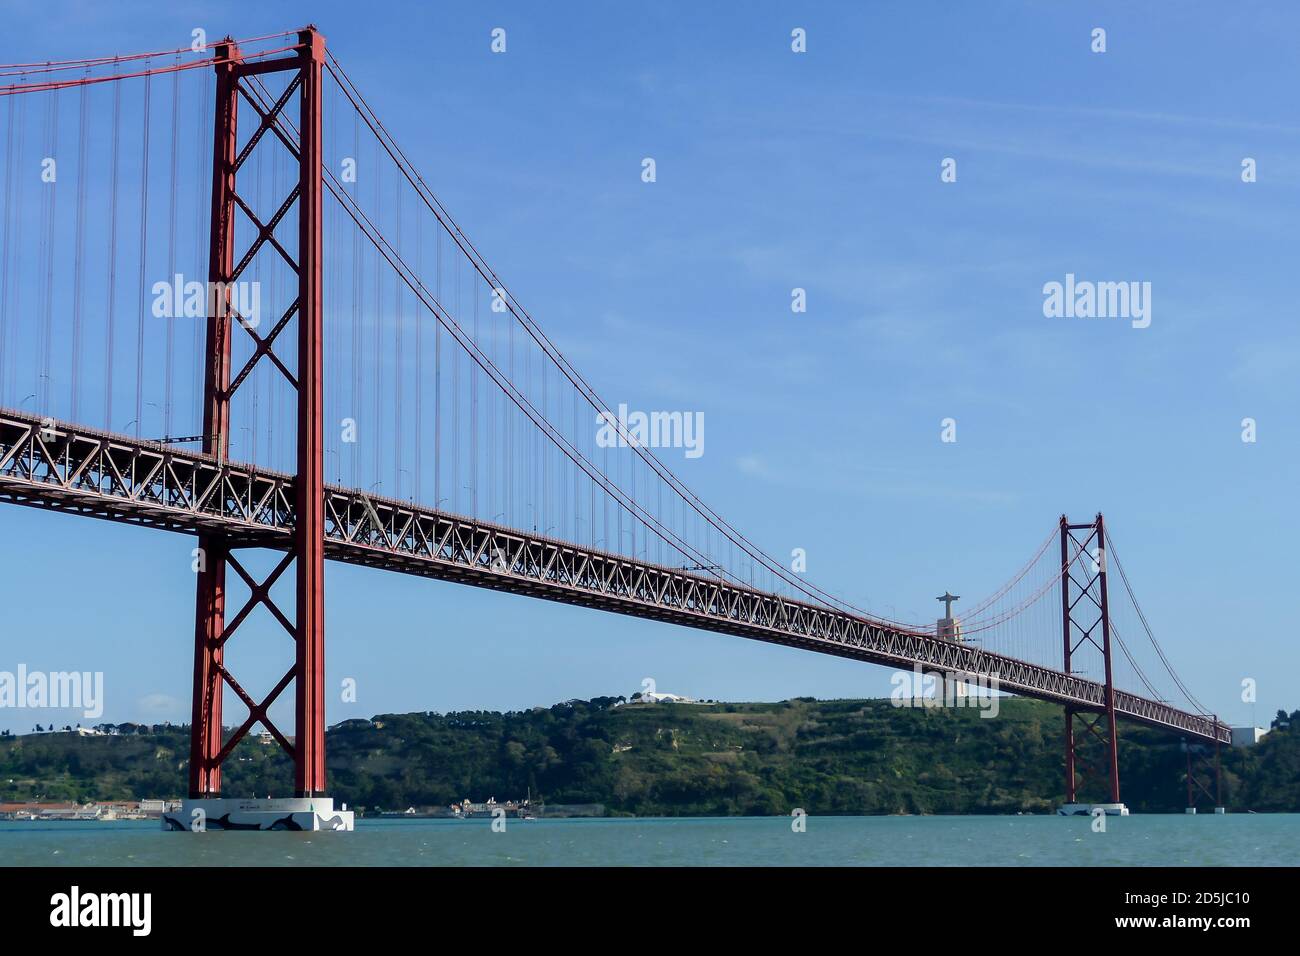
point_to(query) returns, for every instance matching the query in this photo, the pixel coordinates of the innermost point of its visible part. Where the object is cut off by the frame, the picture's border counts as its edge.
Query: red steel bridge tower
(1085, 619)
(212, 628)
(1091, 740)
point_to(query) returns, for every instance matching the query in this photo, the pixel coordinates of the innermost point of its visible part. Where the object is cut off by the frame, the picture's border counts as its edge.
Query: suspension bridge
(231, 307)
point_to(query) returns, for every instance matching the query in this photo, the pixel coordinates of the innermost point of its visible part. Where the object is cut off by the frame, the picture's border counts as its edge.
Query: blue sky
(821, 171)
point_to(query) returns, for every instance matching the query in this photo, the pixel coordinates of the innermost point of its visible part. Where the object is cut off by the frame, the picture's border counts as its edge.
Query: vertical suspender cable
(354, 407)
(9, 178)
(144, 247)
(456, 486)
(511, 451)
(473, 418)
(168, 378)
(419, 362)
(335, 384)
(274, 406)
(20, 202)
(398, 360)
(437, 384)
(377, 419)
(200, 247)
(492, 451)
(260, 372)
(112, 254)
(48, 229)
(79, 256)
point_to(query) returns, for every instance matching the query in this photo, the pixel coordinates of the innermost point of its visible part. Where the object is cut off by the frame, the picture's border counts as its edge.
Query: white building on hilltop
(655, 697)
(1247, 736)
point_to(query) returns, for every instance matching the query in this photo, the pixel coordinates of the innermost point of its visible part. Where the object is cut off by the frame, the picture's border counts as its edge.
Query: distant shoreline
(668, 759)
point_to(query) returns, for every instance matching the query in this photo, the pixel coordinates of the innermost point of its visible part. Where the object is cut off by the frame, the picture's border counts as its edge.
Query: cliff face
(844, 756)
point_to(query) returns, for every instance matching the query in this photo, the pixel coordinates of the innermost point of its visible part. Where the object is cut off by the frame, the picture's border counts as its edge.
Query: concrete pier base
(1086, 809)
(282, 813)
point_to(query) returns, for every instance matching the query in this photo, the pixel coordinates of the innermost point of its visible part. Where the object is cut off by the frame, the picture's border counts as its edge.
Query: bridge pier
(1194, 753)
(291, 813)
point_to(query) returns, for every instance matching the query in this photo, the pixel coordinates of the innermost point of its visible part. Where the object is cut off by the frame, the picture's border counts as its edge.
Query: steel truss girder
(119, 478)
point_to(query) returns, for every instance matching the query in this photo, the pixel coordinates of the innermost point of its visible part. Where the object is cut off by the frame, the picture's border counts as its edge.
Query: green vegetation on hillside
(828, 757)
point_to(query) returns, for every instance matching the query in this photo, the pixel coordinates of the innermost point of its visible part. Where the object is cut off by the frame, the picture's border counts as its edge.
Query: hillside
(841, 756)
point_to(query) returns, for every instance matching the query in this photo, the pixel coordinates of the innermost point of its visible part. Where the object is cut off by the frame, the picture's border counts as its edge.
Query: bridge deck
(68, 468)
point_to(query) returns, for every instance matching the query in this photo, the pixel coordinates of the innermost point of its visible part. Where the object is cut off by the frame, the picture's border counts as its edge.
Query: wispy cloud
(1144, 117)
(854, 480)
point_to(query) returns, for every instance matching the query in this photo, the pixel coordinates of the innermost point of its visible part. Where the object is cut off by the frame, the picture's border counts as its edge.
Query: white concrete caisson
(282, 813)
(1087, 809)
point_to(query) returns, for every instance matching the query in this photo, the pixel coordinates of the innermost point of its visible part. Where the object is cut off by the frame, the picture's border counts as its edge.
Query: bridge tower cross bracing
(235, 79)
(1085, 618)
